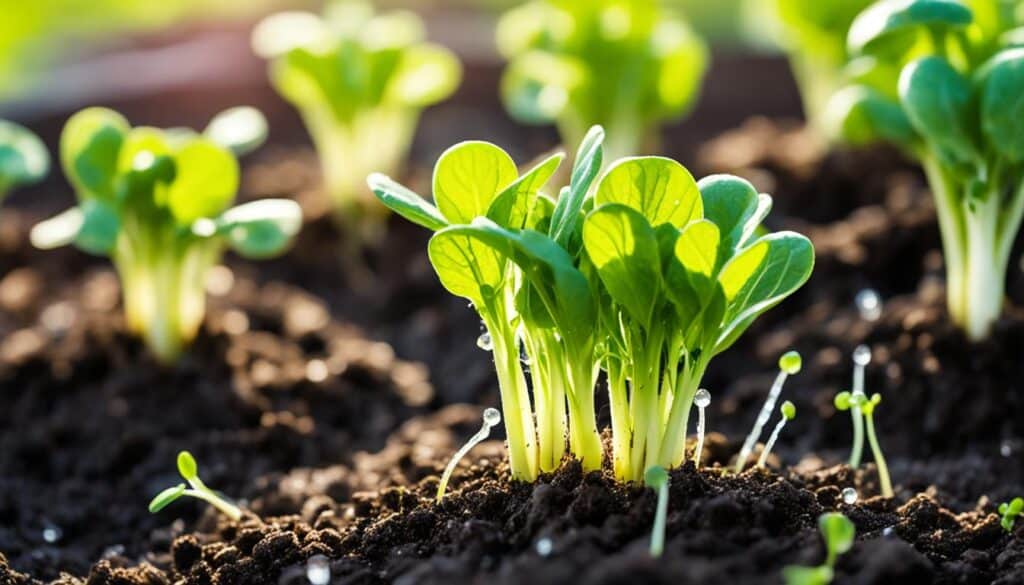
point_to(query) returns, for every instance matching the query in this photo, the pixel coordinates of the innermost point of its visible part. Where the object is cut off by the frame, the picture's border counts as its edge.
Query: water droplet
(52, 533)
(849, 495)
(544, 547)
(492, 417)
(318, 570)
(316, 370)
(887, 531)
(862, 355)
(869, 304)
(702, 399)
(484, 342)
(1005, 449)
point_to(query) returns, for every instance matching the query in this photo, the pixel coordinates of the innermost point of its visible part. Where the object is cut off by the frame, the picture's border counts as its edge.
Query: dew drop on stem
(484, 342)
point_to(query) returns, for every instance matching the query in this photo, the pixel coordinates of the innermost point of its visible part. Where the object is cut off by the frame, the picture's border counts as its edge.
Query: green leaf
(468, 177)
(241, 129)
(187, 466)
(889, 18)
(690, 282)
(23, 157)
(261, 229)
(683, 61)
(838, 532)
(796, 575)
(405, 202)
(1002, 103)
(467, 267)
(624, 250)
(166, 497)
(697, 250)
(537, 87)
(92, 226)
(540, 214)
(89, 150)
(589, 159)
(861, 115)
(659, 188)
(937, 100)
(511, 208)
(206, 181)
(426, 75)
(730, 203)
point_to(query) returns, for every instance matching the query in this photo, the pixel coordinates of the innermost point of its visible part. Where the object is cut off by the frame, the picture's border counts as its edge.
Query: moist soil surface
(320, 405)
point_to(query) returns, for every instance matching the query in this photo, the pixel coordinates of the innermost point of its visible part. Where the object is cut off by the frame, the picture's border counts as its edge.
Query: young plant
(360, 81)
(788, 413)
(866, 406)
(838, 532)
(195, 488)
(680, 272)
(1009, 512)
(491, 419)
(941, 79)
(861, 359)
(789, 365)
(656, 478)
(628, 65)
(502, 244)
(702, 399)
(156, 202)
(24, 159)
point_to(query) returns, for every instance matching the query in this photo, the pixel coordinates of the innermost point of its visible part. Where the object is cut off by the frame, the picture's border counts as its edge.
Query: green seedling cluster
(644, 273)
(1008, 512)
(193, 488)
(838, 532)
(157, 203)
(789, 364)
(942, 79)
(851, 401)
(24, 159)
(628, 65)
(360, 81)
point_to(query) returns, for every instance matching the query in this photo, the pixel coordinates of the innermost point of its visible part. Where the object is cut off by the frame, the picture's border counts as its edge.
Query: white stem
(700, 436)
(483, 433)
(762, 419)
(771, 442)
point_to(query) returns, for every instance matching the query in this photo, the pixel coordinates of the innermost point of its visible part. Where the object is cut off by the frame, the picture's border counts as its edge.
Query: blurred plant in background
(23, 157)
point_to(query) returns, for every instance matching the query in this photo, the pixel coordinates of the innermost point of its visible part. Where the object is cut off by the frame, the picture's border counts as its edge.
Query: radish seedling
(195, 488)
(838, 532)
(156, 202)
(491, 419)
(656, 478)
(24, 159)
(1008, 513)
(788, 412)
(942, 80)
(629, 65)
(360, 81)
(789, 364)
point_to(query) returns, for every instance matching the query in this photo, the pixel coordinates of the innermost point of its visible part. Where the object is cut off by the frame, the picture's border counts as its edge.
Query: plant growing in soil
(788, 413)
(838, 532)
(866, 406)
(657, 479)
(23, 157)
(628, 65)
(789, 364)
(942, 79)
(195, 488)
(360, 81)
(1009, 512)
(156, 202)
(491, 419)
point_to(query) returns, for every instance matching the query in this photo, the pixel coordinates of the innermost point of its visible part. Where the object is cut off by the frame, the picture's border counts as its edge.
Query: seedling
(866, 406)
(360, 81)
(789, 364)
(628, 65)
(195, 488)
(1009, 512)
(788, 412)
(861, 358)
(702, 399)
(156, 202)
(492, 418)
(941, 79)
(656, 478)
(24, 159)
(838, 532)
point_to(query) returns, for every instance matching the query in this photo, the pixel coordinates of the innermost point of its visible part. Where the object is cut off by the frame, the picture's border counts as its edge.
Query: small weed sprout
(861, 358)
(789, 364)
(1009, 512)
(868, 407)
(838, 532)
(492, 418)
(788, 412)
(24, 159)
(702, 399)
(195, 488)
(656, 478)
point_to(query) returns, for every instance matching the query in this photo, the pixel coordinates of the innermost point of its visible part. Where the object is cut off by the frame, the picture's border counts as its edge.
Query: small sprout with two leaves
(657, 479)
(194, 488)
(1008, 512)
(360, 81)
(629, 65)
(24, 159)
(838, 532)
(492, 418)
(789, 364)
(157, 203)
(788, 413)
(850, 401)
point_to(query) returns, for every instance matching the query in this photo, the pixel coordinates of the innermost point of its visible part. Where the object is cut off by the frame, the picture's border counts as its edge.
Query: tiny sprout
(789, 364)
(491, 419)
(656, 478)
(861, 358)
(788, 412)
(868, 408)
(838, 532)
(702, 399)
(190, 473)
(1009, 513)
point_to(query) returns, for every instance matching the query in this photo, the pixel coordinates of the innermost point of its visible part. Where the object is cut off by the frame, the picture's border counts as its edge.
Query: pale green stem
(673, 450)
(762, 419)
(876, 450)
(660, 518)
(582, 415)
(482, 434)
(621, 429)
(763, 459)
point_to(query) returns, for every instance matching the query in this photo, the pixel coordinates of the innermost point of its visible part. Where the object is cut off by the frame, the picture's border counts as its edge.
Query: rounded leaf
(788, 410)
(468, 177)
(661, 189)
(90, 147)
(860, 115)
(240, 129)
(466, 267)
(885, 19)
(937, 101)
(164, 498)
(537, 87)
(426, 75)
(261, 229)
(655, 476)
(23, 156)
(187, 466)
(731, 203)
(790, 362)
(1002, 103)
(838, 532)
(206, 181)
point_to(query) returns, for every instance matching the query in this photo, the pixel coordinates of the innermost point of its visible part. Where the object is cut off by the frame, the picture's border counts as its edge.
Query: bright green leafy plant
(838, 532)
(194, 488)
(629, 65)
(360, 81)
(942, 79)
(157, 203)
(1008, 513)
(23, 157)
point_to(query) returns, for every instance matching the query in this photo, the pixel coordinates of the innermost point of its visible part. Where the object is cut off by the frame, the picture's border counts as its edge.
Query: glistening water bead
(484, 342)
(849, 496)
(318, 570)
(869, 304)
(702, 399)
(862, 355)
